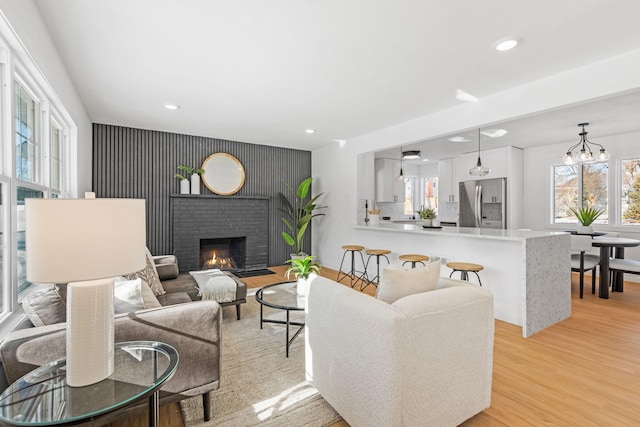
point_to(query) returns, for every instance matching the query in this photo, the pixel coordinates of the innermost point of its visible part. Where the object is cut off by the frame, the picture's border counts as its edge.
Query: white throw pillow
(132, 295)
(397, 282)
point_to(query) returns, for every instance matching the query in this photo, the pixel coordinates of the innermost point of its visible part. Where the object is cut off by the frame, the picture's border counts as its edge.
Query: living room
(105, 88)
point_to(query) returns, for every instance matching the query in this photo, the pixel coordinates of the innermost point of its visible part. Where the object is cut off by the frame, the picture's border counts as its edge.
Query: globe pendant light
(478, 169)
(585, 155)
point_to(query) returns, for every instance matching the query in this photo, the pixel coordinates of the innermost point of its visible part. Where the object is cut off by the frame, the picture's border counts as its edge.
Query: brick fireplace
(233, 227)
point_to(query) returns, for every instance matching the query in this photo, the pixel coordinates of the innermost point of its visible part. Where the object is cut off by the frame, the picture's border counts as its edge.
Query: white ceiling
(263, 71)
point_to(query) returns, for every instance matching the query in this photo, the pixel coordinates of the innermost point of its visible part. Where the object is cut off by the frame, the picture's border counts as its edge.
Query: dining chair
(582, 261)
(611, 254)
(621, 265)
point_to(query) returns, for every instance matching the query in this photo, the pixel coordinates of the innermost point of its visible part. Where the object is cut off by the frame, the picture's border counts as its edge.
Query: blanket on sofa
(214, 284)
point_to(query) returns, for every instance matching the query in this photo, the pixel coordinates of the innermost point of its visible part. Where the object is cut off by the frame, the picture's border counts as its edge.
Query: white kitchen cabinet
(447, 181)
(495, 160)
(388, 187)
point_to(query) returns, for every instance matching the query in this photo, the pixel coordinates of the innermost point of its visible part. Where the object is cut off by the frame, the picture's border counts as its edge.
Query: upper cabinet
(388, 187)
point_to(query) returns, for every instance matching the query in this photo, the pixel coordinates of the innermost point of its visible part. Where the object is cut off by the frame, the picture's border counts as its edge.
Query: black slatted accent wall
(139, 163)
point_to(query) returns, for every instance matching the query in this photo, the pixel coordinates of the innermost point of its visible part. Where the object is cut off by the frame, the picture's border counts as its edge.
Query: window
(56, 157)
(409, 187)
(586, 182)
(22, 194)
(431, 193)
(630, 192)
(26, 142)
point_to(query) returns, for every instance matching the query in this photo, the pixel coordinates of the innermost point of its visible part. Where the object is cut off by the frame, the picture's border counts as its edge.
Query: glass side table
(42, 397)
(282, 296)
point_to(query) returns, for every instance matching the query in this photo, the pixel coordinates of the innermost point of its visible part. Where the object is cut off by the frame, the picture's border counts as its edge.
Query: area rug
(259, 385)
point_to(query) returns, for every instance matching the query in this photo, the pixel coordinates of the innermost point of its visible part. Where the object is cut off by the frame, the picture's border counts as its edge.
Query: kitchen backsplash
(448, 211)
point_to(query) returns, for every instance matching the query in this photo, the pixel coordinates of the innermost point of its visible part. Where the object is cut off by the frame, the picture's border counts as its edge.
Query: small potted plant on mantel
(305, 269)
(586, 216)
(184, 181)
(427, 215)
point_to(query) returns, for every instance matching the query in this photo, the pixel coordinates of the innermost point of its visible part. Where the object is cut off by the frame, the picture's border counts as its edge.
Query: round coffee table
(281, 296)
(42, 397)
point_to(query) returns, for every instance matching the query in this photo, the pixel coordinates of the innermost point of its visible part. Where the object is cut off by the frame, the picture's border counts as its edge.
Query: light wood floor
(584, 371)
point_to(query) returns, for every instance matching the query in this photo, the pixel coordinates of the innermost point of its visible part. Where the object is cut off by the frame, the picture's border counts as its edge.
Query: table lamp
(85, 243)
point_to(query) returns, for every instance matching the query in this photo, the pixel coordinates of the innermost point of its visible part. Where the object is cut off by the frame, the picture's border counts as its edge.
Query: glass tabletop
(281, 295)
(42, 397)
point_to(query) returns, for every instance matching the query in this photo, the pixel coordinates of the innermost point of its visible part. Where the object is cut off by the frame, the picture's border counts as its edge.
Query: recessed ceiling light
(425, 160)
(507, 43)
(310, 131)
(459, 139)
(464, 96)
(494, 133)
(171, 106)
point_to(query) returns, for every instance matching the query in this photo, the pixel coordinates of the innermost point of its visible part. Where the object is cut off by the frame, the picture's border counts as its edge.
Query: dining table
(605, 243)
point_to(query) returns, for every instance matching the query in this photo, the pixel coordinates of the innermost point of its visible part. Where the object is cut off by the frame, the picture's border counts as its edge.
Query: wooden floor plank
(584, 371)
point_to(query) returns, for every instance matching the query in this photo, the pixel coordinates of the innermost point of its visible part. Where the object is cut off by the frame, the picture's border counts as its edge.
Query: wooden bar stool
(413, 259)
(374, 253)
(464, 268)
(351, 273)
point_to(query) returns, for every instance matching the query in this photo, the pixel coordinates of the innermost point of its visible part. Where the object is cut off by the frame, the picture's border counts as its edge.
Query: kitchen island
(529, 272)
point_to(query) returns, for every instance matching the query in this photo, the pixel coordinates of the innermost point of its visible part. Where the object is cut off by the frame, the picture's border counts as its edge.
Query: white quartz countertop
(481, 233)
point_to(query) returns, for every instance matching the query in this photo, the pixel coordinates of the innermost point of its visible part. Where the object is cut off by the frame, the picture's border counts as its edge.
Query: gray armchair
(194, 329)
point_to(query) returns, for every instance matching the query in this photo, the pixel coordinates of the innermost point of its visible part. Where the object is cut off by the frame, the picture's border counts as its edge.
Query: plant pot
(374, 219)
(585, 229)
(303, 283)
(427, 222)
(298, 256)
(195, 183)
(184, 186)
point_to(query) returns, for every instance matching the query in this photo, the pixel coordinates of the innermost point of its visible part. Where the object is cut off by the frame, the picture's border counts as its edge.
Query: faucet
(366, 211)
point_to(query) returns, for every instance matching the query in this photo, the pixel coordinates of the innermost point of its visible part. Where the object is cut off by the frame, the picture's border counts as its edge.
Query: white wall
(333, 166)
(25, 20)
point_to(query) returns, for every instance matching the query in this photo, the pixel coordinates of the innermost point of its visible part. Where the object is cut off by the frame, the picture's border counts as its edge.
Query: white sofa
(425, 360)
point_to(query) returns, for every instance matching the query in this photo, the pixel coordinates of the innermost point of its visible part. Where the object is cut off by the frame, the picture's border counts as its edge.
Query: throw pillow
(397, 282)
(45, 307)
(149, 274)
(132, 295)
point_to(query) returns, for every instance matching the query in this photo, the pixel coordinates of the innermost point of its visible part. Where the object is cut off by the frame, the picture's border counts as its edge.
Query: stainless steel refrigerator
(483, 203)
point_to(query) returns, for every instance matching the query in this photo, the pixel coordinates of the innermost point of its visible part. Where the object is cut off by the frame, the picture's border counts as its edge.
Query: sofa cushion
(397, 282)
(132, 295)
(149, 274)
(46, 307)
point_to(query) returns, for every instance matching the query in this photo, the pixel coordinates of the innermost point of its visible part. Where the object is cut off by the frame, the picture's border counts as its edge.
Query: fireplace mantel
(196, 217)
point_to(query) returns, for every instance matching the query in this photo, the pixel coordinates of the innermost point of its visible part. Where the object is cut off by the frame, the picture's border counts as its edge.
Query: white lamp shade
(70, 240)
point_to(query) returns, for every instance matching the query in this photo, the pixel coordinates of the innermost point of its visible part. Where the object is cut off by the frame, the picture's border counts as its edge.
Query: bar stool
(413, 259)
(351, 273)
(464, 268)
(374, 253)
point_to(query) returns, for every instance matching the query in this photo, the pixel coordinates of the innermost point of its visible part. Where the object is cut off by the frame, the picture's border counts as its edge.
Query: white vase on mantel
(184, 186)
(585, 229)
(195, 183)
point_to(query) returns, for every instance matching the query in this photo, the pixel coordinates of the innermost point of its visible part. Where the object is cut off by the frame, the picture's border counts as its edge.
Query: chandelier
(585, 155)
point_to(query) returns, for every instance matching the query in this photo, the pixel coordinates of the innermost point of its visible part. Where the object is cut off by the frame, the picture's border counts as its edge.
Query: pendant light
(478, 169)
(401, 176)
(585, 155)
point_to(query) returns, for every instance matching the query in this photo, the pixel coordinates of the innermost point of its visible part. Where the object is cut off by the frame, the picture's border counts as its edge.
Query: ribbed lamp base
(90, 336)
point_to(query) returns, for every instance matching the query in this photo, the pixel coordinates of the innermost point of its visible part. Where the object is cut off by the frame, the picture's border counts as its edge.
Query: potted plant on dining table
(586, 216)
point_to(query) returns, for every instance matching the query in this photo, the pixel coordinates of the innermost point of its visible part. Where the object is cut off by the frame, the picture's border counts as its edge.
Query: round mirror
(223, 174)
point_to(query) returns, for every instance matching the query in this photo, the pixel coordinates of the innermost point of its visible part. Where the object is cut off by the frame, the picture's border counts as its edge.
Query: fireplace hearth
(224, 254)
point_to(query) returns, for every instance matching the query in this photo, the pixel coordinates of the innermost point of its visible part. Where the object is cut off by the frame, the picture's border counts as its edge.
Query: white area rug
(259, 385)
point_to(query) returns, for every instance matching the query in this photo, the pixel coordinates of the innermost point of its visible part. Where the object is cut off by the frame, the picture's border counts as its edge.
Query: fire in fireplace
(223, 253)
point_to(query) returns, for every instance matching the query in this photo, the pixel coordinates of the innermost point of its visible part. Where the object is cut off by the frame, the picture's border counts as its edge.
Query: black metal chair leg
(206, 404)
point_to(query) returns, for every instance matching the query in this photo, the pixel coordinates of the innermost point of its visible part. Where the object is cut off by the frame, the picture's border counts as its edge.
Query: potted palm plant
(586, 216)
(298, 214)
(305, 269)
(427, 215)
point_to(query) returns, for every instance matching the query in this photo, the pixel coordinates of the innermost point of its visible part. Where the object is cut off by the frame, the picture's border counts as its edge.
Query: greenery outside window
(409, 187)
(630, 192)
(430, 199)
(586, 182)
(27, 149)
(23, 193)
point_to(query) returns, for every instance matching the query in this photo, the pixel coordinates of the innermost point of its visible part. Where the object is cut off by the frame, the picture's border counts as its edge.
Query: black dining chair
(581, 261)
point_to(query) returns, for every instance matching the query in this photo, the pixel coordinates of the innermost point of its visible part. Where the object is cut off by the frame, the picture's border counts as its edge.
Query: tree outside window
(630, 192)
(586, 182)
